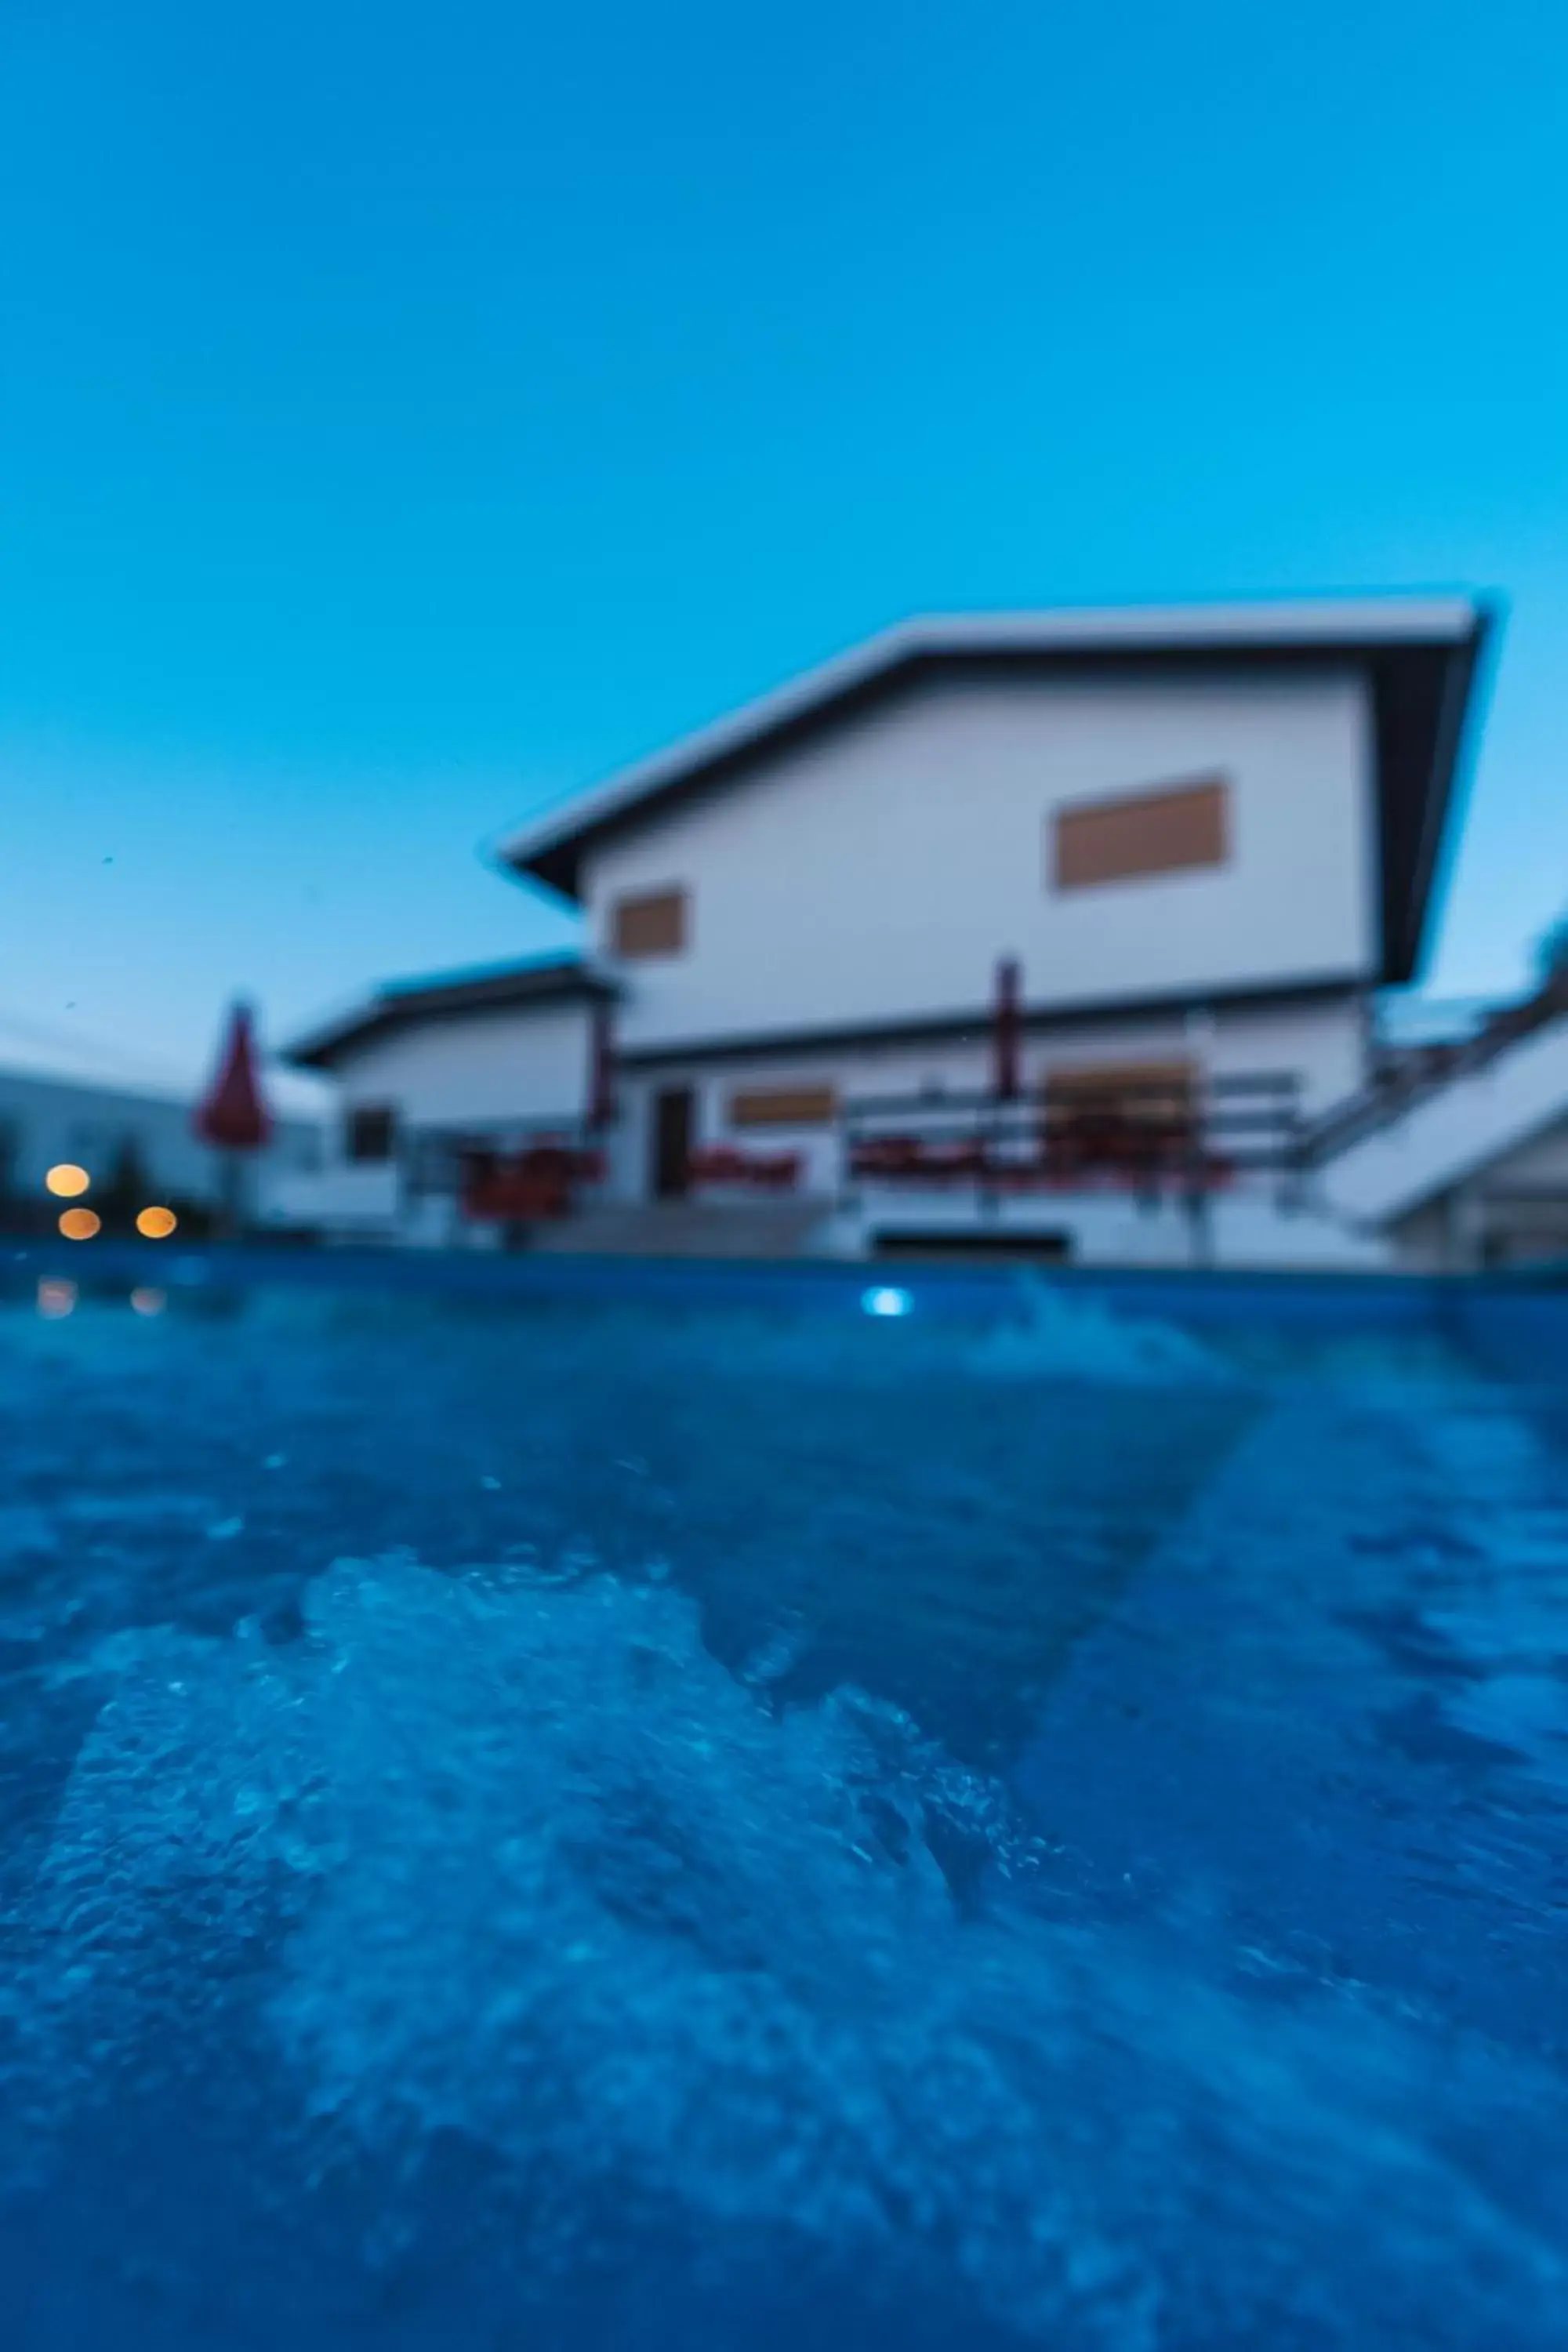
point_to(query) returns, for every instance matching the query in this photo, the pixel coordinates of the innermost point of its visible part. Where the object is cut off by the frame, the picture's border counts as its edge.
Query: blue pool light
(886, 1301)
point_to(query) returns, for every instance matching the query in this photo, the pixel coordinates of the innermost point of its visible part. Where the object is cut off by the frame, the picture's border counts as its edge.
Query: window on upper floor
(650, 923)
(1169, 830)
(370, 1133)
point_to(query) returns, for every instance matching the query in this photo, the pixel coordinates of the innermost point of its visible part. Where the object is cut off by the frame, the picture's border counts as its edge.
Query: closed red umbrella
(1007, 1032)
(232, 1114)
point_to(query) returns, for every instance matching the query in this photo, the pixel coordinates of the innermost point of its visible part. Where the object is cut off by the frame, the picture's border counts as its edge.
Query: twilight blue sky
(408, 414)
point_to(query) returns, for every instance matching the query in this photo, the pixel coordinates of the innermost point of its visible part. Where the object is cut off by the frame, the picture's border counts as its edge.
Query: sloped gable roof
(1419, 653)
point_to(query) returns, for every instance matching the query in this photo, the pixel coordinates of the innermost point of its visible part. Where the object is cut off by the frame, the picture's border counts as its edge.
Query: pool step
(686, 1229)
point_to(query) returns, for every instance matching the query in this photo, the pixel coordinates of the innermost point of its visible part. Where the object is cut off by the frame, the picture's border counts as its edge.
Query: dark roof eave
(399, 1008)
(558, 868)
(1411, 892)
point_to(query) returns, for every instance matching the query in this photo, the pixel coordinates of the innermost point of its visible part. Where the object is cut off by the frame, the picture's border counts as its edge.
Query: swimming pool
(724, 1813)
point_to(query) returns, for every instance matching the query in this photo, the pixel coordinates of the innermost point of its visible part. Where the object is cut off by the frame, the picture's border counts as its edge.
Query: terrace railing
(1150, 1136)
(435, 1158)
(507, 1172)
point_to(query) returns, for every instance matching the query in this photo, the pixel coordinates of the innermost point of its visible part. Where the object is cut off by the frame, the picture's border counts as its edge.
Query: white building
(429, 1069)
(106, 1128)
(1205, 835)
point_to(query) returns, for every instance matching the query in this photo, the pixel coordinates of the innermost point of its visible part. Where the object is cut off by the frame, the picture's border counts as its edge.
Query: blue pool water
(1038, 1820)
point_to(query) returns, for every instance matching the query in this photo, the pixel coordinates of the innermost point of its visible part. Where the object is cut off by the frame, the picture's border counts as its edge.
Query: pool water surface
(638, 1827)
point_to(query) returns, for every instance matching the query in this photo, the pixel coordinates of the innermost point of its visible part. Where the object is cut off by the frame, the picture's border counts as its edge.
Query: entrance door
(672, 1118)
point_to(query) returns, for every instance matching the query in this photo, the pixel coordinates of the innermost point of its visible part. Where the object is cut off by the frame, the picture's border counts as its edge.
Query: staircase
(1392, 1098)
(1504, 1090)
(685, 1229)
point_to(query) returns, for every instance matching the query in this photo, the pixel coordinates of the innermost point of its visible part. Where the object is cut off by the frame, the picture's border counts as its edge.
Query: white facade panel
(1543, 1161)
(877, 871)
(1323, 1045)
(524, 1063)
(354, 1200)
(1246, 1229)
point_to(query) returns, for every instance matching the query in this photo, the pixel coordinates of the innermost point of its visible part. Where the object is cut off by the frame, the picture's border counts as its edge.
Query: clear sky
(408, 415)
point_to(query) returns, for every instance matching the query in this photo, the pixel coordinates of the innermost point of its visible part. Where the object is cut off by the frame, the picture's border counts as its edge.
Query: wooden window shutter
(651, 923)
(1169, 831)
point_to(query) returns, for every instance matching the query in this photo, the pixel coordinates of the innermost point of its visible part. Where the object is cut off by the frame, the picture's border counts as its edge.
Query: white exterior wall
(522, 1063)
(1245, 1229)
(1324, 1044)
(1485, 1219)
(1542, 1162)
(878, 871)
